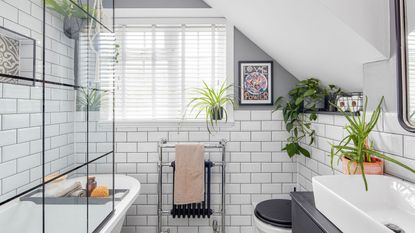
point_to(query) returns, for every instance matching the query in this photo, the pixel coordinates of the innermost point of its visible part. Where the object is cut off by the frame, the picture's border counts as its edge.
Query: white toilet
(272, 216)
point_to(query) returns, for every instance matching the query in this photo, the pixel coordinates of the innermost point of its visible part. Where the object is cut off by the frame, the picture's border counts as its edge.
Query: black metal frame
(45, 82)
(401, 67)
(240, 83)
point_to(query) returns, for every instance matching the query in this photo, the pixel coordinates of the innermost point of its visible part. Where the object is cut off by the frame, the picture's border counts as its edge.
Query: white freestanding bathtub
(26, 216)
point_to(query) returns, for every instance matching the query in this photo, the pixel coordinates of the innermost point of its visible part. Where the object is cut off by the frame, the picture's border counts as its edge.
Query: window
(160, 64)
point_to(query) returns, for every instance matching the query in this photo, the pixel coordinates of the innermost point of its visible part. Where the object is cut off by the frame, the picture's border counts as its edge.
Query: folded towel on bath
(189, 174)
(62, 189)
(77, 193)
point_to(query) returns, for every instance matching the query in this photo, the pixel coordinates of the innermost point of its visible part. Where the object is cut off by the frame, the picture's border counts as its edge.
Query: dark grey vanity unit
(305, 216)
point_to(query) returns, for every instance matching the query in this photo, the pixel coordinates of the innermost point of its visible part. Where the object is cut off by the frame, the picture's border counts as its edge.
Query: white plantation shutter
(160, 64)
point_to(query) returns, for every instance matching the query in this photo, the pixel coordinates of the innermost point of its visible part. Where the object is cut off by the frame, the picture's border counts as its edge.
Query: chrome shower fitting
(215, 226)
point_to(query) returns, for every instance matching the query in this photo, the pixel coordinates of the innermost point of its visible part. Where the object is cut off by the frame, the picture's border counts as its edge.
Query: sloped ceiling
(326, 39)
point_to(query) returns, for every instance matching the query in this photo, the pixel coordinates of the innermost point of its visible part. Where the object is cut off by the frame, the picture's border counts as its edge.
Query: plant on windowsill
(91, 98)
(211, 102)
(358, 157)
(305, 96)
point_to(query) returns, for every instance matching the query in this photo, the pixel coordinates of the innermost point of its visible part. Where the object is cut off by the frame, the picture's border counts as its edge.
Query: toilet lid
(275, 212)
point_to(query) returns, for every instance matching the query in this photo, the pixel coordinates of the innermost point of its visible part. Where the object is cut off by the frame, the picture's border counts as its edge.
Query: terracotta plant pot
(373, 168)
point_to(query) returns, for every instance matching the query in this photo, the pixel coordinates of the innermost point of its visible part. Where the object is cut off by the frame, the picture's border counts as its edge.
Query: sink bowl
(345, 202)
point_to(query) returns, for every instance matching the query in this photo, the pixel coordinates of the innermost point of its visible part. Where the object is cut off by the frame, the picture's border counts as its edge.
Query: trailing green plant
(302, 98)
(91, 98)
(211, 102)
(355, 146)
(68, 8)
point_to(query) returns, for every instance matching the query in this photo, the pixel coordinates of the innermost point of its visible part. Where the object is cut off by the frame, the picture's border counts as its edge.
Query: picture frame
(256, 83)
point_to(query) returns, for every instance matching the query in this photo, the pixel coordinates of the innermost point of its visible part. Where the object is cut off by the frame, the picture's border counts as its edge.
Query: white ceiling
(326, 39)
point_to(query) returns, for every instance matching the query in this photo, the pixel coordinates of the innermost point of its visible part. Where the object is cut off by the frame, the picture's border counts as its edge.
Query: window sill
(167, 124)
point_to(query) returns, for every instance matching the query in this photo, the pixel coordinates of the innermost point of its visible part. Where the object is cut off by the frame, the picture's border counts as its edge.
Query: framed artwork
(255, 83)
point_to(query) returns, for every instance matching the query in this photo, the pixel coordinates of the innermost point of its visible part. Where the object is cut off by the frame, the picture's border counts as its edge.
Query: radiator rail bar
(161, 164)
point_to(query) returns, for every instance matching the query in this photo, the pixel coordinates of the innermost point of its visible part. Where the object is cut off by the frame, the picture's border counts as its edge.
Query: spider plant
(355, 146)
(91, 98)
(211, 102)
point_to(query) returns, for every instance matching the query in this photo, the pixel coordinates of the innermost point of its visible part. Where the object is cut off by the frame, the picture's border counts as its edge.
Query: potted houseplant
(304, 97)
(316, 100)
(89, 97)
(357, 155)
(74, 16)
(331, 97)
(211, 102)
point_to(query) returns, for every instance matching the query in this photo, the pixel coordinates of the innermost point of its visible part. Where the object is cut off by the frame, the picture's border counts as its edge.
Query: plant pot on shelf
(309, 103)
(217, 113)
(331, 98)
(372, 168)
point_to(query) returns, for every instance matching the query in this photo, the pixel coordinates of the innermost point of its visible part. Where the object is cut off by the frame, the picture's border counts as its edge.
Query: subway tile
(260, 115)
(178, 136)
(240, 115)
(241, 136)
(8, 168)
(146, 147)
(271, 126)
(126, 147)
(15, 181)
(28, 134)
(29, 106)
(271, 146)
(7, 137)
(271, 188)
(16, 91)
(8, 106)
(251, 146)
(250, 126)
(198, 136)
(14, 121)
(136, 136)
(15, 151)
(261, 136)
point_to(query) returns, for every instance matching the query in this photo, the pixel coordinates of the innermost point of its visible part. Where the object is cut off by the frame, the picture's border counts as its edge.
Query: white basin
(345, 202)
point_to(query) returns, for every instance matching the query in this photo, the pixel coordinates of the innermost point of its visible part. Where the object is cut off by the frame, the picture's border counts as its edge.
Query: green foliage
(91, 98)
(68, 8)
(211, 102)
(355, 146)
(333, 90)
(297, 123)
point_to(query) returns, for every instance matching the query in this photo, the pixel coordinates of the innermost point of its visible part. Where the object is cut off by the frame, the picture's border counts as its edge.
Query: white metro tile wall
(21, 106)
(256, 169)
(388, 137)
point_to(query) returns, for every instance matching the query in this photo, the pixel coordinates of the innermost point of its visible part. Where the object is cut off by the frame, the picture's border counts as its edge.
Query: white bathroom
(207, 116)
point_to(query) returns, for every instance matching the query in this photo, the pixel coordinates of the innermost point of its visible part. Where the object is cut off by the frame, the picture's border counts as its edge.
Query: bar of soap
(100, 192)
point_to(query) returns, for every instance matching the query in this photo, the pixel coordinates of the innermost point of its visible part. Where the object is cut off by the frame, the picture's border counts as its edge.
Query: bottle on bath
(91, 184)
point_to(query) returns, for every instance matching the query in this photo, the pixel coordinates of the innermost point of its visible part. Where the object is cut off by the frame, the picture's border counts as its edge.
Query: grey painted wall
(380, 78)
(246, 50)
(161, 4)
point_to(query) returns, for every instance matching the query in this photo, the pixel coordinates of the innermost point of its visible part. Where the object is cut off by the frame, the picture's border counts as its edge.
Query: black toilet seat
(276, 212)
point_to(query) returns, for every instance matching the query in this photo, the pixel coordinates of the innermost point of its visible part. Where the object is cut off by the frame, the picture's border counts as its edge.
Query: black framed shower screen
(76, 84)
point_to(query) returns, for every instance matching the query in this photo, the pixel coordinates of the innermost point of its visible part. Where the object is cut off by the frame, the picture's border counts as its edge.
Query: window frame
(402, 65)
(181, 16)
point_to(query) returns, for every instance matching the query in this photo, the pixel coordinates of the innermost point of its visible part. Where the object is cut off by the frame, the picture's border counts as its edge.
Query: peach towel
(189, 175)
